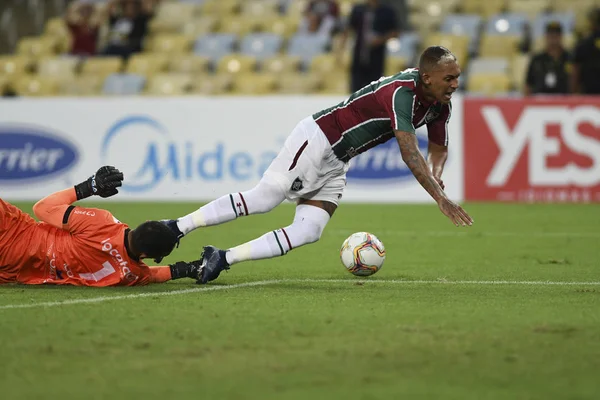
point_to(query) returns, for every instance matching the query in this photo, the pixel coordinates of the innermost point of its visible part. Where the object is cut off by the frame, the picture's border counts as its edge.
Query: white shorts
(306, 166)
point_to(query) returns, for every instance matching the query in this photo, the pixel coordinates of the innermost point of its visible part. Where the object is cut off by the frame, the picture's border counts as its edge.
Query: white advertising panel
(182, 149)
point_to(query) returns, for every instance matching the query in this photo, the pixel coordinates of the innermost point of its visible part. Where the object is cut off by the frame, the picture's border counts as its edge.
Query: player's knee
(312, 231)
(263, 198)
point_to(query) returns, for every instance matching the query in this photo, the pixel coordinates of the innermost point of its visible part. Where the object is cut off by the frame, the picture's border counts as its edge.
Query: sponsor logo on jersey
(158, 156)
(125, 271)
(382, 163)
(31, 152)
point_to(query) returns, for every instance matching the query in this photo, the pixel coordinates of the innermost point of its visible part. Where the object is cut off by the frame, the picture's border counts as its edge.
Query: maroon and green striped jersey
(371, 115)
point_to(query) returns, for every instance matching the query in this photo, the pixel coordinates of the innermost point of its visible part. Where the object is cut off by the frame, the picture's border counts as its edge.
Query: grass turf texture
(333, 340)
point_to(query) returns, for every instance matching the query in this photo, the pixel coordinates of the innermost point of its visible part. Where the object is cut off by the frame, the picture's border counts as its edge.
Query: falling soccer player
(311, 168)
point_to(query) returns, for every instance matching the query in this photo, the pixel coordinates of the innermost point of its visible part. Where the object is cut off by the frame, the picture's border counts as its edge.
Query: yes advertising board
(184, 149)
(532, 150)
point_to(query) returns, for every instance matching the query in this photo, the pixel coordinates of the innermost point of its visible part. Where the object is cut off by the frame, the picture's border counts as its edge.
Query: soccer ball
(362, 254)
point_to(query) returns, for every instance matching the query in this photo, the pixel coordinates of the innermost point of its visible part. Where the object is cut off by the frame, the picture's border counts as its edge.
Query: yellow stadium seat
(485, 8)
(240, 26)
(102, 66)
(220, 7)
(200, 26)
(518, 71)
(488, 83)
(56, 27)
(254, 84)
(336, 84)
(169, 84)
(531, 8)
(258, 8)
(171, 16)
(36, 86)
(499, 46)
(212, 84)
(63, 67)
(190, 64)
(281, 64)
(325, 64)
(16, 65)
(236, 64)
(579, 7)
(394, 65)
(81, 86)
(146, 64)
(284, 27)
(37, 46)
(297, 83)
(457, 44)
(169, 44)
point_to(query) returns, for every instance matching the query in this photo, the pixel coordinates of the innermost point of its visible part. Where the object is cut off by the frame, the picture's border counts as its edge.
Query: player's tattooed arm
(409, 148)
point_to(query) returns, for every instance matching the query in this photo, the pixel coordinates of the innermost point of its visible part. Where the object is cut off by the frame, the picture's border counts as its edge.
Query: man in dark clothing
(373, 24)
(548, 70)
(128, 27)
(586, 60)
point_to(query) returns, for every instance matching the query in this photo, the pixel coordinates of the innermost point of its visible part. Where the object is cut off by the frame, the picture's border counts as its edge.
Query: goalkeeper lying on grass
(84, 246)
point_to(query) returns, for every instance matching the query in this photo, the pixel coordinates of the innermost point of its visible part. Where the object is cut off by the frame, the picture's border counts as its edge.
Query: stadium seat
(506, 24)
(169, 84)
(236, 64)
(457, 44)
(81, 86)
(258, 8)
(285, 27)
(102, 66)
(488, 65)
(146, 64)
(488, 83)
(578, 7)
(56, 27)
(123, 84)
(223, 8)
(170, 16)
(212, 84)
(567, 20)
(531, 8)
(403, 47)
(254, 84)
(394, 65)
(36, 86)
(463, 25)
(200, 26)
(296, 83)
(15, 65)
(169, 44)
(295, 8)
(61, 67)
(261, 45)
(307, 46)
(335, 84)
(518, 71)
(36, 46)
(281, 64)
(485, 8)
(326, 64)
(189, 63)
(239, 25)
(215, 46)
(499, 45)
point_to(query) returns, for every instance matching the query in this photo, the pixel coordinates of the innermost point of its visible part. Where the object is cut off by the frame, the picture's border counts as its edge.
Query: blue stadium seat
(123, 84)
(462, 24)
(405, 46)
(215, 46)
(506, 24)
(261, 45)
(488, 65)
(307, 46)
(567, 20)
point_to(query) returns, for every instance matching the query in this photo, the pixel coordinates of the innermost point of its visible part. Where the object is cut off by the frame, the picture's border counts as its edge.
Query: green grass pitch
(313, 331)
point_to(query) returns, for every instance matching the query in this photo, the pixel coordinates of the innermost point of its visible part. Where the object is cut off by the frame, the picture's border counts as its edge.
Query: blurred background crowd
(215, 47)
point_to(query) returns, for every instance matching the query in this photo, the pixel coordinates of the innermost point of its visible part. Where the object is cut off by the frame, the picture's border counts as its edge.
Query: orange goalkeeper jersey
(90, 251)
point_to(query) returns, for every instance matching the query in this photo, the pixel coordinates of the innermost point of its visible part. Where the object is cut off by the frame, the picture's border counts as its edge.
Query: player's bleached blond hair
(435, 56)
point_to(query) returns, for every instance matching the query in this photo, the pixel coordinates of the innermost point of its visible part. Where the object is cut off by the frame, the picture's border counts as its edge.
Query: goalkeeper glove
(186, 269)
(103, 183)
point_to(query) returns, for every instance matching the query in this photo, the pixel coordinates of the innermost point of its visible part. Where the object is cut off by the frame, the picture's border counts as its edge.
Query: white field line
(284, 281)
(467, 232)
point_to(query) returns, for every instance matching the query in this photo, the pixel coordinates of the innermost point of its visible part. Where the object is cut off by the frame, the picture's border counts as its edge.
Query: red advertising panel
(532, 150)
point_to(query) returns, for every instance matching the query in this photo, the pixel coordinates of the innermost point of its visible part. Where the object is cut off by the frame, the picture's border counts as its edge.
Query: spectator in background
(84, 29)
(321, 17)
(128, 26)
(586, 60)
(548, 70)
(373, 24)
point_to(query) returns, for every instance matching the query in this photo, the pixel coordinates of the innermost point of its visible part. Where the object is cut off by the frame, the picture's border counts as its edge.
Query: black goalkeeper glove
(186, 269)
(103, 183)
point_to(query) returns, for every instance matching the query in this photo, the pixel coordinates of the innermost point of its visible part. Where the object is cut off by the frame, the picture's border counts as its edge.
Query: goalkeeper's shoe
(213, 262)
(172, 225)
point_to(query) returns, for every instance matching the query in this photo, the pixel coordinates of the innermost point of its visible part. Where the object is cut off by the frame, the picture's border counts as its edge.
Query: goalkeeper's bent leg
(262, 198)
(309, 223)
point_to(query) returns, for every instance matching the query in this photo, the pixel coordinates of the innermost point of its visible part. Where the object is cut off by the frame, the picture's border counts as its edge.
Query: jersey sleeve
(437, 130)
(87, 221)
(401, 110)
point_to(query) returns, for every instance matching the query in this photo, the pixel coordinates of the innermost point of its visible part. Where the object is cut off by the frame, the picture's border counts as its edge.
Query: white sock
(307, 227)
(262, 198)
